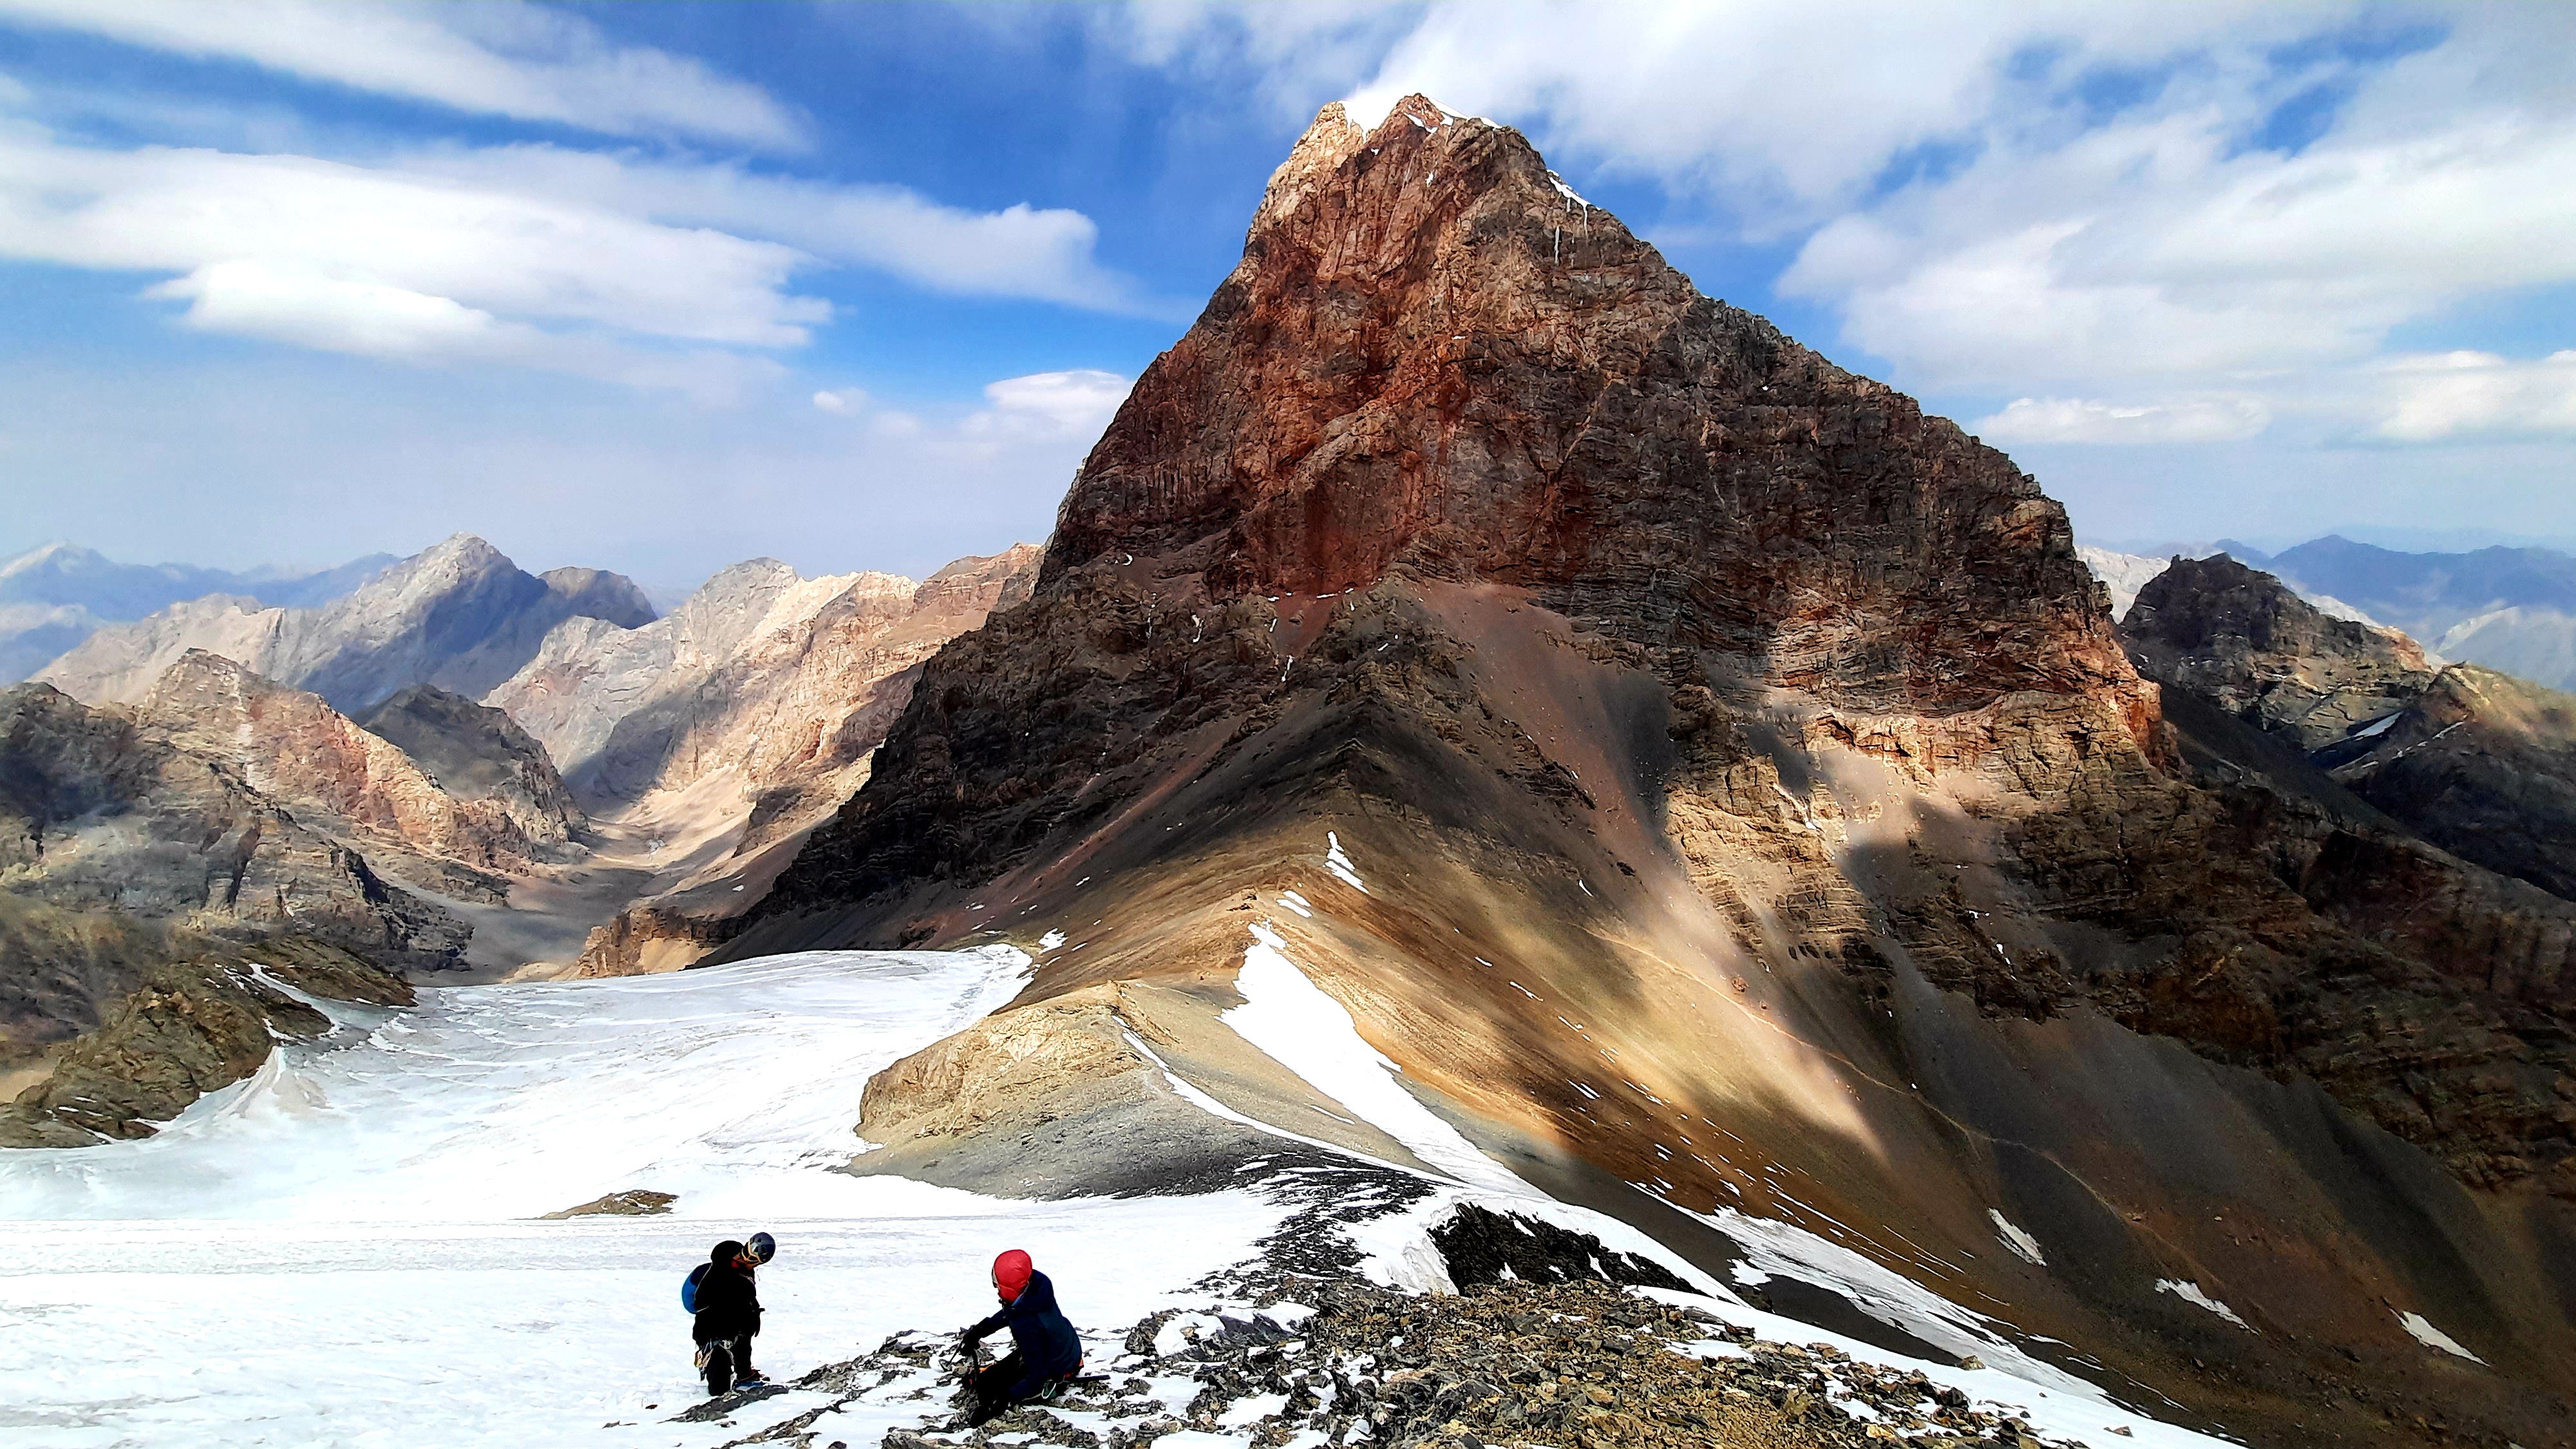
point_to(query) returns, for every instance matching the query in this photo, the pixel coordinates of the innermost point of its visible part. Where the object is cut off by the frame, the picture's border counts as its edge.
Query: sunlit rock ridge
(1719, 786)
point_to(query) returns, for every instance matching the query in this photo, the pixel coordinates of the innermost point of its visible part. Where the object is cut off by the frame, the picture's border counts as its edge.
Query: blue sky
(661, 287)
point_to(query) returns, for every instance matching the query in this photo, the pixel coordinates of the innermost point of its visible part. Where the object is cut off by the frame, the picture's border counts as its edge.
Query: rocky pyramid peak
(1436, 359)
(599, 594)
(2248, 643)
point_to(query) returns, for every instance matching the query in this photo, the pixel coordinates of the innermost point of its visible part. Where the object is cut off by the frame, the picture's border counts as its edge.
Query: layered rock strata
(746, 716)
(477, 753)
(1645, 729)
(2483, 765)
(2242, 640)
(125, 855)
(191, 1027)
(297, 750)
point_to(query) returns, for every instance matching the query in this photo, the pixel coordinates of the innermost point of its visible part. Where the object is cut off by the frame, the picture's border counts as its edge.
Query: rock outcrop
(2478, 763)
(2483, 765)
(294, 749)
(458, 615)
(2244, 641)
(124, 855)
(191, 1027)
(478, 753)
(1643, 728)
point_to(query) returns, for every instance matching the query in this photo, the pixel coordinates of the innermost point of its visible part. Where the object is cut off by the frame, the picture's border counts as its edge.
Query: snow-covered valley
(345, 1249)
(340, 1250)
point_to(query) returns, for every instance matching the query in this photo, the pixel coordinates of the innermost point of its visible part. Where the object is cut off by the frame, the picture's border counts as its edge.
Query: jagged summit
(1643, 727)
(1436, 359)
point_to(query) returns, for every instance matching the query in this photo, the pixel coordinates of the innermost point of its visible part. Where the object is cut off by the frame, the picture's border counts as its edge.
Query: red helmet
(1011, 1274)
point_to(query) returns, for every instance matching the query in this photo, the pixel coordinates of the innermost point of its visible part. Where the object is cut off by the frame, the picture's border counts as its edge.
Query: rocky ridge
(755, 706)
(1635, 721)
(2242, 640)
(2481, 764)
(477, 753)
(458, 615)
(126, 857)
(51, 598)
(297, 750)
(191, 1027)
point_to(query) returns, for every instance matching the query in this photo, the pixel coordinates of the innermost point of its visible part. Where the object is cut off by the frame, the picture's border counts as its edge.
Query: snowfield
(339, 1252)
(343, 1250)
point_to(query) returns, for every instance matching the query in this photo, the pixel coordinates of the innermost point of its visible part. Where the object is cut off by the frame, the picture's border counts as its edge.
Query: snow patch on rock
(2190, 1292)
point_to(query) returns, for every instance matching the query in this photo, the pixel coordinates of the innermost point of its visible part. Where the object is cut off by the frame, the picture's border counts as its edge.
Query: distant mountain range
(2512, 609)
(51, 598)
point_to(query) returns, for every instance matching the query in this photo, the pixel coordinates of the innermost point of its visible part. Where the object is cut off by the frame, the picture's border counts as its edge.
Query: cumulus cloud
(615, 268)
(2455, 395)
(503, 59)
(2082, 420)
(1075, 404)
(841, 402)
(1042, 254)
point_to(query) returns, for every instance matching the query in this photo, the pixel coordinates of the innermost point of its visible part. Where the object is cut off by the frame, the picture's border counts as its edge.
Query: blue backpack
(689, 1290)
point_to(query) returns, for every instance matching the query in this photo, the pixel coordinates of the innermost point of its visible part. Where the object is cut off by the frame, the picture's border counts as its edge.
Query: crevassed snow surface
(339, 1250)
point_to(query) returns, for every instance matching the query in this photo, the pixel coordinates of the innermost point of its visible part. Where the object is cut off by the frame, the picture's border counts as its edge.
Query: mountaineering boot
(743, 1373)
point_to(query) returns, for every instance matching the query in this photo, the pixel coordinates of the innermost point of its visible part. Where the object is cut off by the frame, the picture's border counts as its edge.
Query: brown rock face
(125, 857)
(1435, 357)
(1708, 740)
(297, 750)
(474, 752)
(2483, 765)
(192, 1026)
(2242, 640)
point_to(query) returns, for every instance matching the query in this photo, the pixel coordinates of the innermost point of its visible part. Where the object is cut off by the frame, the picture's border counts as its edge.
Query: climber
(1047, 1355)
(725, 1296)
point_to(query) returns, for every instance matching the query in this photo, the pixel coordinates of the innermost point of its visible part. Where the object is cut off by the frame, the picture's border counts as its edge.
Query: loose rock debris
(1570, 1365)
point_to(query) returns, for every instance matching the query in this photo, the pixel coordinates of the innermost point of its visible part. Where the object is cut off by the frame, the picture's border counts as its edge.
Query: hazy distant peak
(600, 594)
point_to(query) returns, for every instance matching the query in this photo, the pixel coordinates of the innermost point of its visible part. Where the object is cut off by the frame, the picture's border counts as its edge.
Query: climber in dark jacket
(1047, 1352)
(728, 1313)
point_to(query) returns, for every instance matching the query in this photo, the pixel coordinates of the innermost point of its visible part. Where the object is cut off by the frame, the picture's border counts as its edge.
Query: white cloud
(2478, 394)
(1789, 111)
(1044, 254)
(509, 253)
(1060, 404)
(842, 402)
(503, 59)
(2081, 420)
(2149, 250)
(601, 266)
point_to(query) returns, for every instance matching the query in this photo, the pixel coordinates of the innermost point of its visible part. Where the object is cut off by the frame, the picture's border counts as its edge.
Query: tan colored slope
(297, 750)
(723, 732)
(1714, 1004)
(1771, 743)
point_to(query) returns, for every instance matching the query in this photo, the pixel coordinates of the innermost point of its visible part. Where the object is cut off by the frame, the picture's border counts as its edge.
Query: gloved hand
(968, 1342)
